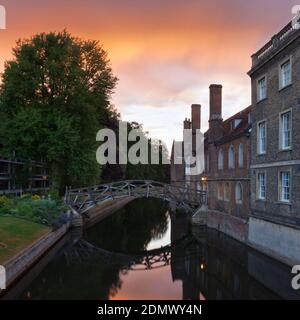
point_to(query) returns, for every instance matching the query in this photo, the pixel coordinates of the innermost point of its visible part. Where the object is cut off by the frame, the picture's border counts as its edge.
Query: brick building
(275, 146)
(226, 175)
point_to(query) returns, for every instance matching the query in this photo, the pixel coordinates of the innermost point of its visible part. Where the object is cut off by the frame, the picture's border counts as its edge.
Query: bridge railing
(82, 199)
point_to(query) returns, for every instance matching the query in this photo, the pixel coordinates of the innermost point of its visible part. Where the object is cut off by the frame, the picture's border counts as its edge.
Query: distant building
(181, 172)
(17, 176)
(275, 146)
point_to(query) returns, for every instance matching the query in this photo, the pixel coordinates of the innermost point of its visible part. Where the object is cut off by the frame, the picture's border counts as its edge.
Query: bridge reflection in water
(143, 252)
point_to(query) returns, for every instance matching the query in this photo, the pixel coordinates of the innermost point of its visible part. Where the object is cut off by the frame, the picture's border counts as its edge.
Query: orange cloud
(166, 53)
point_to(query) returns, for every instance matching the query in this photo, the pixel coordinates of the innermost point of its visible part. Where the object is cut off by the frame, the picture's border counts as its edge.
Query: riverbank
(25, 259)
(24, 256)
(16, 234)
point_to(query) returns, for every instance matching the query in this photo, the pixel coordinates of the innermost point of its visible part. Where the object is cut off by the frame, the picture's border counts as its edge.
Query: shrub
(35, 209)
(4, 201)
(36, 197)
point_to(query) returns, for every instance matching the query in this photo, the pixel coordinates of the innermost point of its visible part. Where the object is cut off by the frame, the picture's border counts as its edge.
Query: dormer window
(235, 123)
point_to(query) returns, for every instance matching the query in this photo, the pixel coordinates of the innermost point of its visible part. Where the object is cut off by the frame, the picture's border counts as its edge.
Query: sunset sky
(166, 53)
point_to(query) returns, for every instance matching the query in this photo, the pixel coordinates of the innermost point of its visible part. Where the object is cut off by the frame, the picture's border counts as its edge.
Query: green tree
(54, 97)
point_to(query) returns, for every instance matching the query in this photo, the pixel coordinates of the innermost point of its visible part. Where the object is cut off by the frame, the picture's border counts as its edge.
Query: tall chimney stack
(215, 111)
(196, 116)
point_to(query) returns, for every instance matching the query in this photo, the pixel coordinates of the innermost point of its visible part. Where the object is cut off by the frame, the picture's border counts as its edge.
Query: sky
(165, 53)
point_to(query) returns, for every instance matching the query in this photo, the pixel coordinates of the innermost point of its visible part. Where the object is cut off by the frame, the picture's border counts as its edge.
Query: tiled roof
(230, 131)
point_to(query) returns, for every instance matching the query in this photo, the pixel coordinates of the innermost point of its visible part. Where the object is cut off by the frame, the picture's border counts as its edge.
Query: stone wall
(276, 240)
(105, 209)
(235, 227)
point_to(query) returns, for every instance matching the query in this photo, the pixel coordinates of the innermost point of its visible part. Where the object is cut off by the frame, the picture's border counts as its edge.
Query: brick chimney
(196, 116)
(215, 111)
(187, 124)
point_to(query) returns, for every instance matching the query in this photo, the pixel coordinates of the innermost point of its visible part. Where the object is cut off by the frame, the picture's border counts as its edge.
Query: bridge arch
(83, 199)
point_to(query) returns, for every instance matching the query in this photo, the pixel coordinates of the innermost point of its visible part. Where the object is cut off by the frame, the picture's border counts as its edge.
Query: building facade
(226, 176)
(275, 146)
(226, 171)
(252, 159)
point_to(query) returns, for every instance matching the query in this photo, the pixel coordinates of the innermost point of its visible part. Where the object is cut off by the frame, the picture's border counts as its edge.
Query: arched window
(221, 159)
(231, 157)
(241, 155)
(238, 193)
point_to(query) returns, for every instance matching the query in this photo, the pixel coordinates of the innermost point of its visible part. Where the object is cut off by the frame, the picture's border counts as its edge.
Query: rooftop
(233, 129)
(279, 41)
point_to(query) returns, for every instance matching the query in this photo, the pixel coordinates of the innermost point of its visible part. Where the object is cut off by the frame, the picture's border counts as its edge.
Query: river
(145, 251)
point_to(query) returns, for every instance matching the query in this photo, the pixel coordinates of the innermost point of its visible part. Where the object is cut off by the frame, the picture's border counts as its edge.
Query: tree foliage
(55, 96)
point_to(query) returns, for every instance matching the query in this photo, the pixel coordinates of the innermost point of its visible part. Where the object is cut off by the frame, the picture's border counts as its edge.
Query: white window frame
(258, 186)
(281, 187)
(281, 133)
(231, 157)
(241, 155)
(239, 201)
(259, 150)
(221, 159)
(260, 95)
(285, 83)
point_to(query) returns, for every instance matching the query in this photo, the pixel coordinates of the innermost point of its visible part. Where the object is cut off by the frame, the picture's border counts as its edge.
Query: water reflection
(143, 252)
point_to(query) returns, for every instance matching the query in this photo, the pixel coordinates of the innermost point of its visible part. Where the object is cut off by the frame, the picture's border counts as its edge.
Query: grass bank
(16, 234)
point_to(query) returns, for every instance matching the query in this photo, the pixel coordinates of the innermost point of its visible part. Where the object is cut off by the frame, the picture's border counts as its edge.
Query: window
(285, 186)
(241, 155)
(220, 191)
(285, 77)
(285, 130)
(261, 89)
(261, 186)
(261, 137)
(235, 123)
(221, 159)
(238, 193)
(231, 157)
(226, 192)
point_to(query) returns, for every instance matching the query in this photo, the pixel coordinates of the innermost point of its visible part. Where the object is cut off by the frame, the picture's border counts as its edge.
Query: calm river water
(144, 252)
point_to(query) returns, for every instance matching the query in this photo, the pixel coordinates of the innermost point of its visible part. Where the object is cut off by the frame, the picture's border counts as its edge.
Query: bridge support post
(77, 219)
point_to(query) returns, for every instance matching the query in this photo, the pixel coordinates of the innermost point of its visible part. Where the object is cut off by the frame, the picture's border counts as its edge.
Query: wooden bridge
(83, 199)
